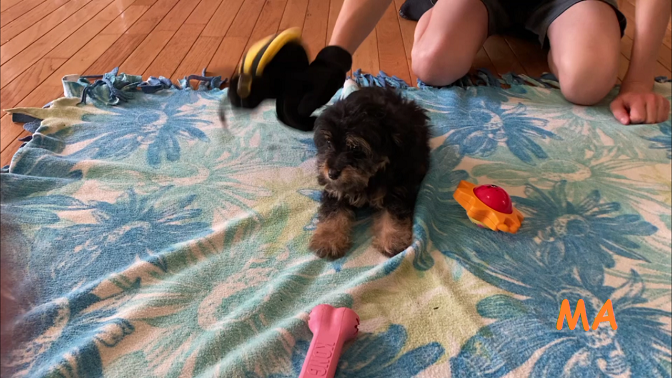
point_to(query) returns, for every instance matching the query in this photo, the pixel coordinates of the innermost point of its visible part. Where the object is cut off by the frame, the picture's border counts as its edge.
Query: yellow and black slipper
(259, 56)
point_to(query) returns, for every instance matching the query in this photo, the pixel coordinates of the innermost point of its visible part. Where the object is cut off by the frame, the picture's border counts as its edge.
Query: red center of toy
(495, 197)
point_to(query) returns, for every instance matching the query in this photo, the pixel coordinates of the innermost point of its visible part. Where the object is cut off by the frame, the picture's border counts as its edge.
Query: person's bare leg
(447, 39)
(585, 48)
(355, 22)
(421, 26)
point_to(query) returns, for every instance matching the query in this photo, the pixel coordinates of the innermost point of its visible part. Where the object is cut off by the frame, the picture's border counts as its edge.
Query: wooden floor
(43, 40)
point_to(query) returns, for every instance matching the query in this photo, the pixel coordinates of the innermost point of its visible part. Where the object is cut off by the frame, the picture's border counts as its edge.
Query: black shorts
(534, 15)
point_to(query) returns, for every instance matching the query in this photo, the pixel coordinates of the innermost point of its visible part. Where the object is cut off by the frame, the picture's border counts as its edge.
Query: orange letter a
(601, 317)
(566, 312)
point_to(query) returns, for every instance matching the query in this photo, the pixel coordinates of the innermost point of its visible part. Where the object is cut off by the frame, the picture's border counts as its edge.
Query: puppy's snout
(334, 174)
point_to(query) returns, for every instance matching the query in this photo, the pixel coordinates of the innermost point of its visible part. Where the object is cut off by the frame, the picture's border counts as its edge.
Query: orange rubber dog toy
(488, 206)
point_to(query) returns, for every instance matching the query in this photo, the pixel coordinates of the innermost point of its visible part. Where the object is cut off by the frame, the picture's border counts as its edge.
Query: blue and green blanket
(143, 238)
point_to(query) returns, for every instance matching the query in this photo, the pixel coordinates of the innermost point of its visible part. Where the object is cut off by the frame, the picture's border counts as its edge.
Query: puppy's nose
(333, 174)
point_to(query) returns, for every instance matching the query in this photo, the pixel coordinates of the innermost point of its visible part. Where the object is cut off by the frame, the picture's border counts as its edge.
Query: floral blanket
(146, 239)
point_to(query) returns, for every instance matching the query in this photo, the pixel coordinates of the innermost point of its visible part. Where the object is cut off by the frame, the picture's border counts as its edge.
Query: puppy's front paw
(332, 237)
(392, 235)
(329, 245)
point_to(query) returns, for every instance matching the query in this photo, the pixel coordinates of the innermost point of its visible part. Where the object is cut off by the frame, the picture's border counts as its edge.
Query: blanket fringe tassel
(482, 77)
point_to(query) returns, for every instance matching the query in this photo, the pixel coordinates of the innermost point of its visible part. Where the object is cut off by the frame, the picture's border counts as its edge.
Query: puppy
(372, 150)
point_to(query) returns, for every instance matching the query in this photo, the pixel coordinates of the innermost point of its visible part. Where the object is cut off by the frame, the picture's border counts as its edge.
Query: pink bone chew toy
(331, 328)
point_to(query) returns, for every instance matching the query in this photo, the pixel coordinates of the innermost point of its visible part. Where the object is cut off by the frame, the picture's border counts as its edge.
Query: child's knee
(430, 66)
(588, 83)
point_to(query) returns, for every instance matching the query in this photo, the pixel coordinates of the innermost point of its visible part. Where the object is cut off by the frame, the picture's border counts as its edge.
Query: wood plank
(628, 9)
(13, 68)
(245, 20)
(42, 27)
(482, 60)
(228, 55)
(220, 23)
(125, 20)
(295, 14)
(9, 131)
(84, 58)
(130, 41)
(116, 54)
(7, 4)
(665, 56)
(29, 19)
(7, 154)
(502, 57)
(13, 13)
(366, 56)
(623, 64)
(203, 13)
(151, 18)
(315, 26)
(99, 22)
(667, 39)
(152, 46)
(391, 53)
(176, 17)
(530, 55)
(141, 58)
(198, 57)
(407, 34)
(660, 70)
(268, 21)
(171, 56)
(626, 46)
(630, 29)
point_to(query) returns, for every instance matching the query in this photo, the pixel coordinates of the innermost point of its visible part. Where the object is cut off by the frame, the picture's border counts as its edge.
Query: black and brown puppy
(372, 150)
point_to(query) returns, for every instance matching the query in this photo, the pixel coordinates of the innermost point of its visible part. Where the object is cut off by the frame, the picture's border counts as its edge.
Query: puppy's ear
(405, 115)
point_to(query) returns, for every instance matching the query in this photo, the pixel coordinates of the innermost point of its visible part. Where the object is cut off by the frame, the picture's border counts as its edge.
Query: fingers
(620, 111)
(651, 108)
(663, 109)
(637, 110)
(309, 103)
(657, 108)
(316, 98)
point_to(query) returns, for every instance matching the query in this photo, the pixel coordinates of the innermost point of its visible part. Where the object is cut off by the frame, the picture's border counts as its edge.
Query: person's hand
(326, 75)
(637, 103)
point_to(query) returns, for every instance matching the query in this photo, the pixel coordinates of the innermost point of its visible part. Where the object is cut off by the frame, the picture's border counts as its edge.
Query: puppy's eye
(356, 151)
(327, 143)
